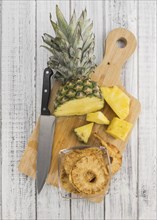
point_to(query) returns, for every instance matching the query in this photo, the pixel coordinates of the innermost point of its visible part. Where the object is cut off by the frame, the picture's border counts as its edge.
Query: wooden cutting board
(106, 74)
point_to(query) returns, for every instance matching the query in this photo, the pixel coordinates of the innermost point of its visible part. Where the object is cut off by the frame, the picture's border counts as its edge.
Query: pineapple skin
(97, 117)
(117, 100)
(84, 132)
(119, 128)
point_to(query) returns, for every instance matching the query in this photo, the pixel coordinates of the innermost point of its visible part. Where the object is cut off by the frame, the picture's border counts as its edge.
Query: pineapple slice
(79, 106)
(84, 132)
(117, 100)
(119, 128)
(97, 117)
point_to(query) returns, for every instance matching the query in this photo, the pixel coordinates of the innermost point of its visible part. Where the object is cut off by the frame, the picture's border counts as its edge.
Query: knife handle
(46, 91)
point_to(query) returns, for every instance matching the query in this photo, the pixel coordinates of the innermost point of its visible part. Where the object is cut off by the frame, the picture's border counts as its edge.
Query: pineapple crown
(72, 48)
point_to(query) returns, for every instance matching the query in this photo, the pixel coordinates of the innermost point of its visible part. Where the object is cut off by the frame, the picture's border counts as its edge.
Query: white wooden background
(133, 193)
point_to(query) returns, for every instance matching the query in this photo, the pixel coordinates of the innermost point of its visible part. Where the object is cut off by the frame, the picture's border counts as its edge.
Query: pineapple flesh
(72, 59)
(97, 117)
(119, 128)
(84, 132)
(117, 100)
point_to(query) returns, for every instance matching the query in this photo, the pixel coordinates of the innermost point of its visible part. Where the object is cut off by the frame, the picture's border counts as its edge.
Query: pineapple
(97, 117)
(73, 61)
(84, 132)
(119, 128)
(117, 100)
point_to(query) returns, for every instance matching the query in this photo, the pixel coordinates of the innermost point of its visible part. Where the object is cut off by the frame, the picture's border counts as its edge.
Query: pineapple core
(84, 132)
(117, 100)
(97, 117)
(119, 128)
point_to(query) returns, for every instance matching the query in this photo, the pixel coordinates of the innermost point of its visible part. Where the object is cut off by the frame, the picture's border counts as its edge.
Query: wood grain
(0, 113)
(121, 203)
(18, 106)
(49, 204)
(147, 159)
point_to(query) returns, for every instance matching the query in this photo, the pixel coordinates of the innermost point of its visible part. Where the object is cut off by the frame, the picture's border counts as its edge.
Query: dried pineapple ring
(88, 175)
(114, 153)
(70, 160)
(72, 157)
(65, 183)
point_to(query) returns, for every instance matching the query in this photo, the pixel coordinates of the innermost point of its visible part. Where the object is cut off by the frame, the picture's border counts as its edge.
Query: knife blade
(46, 132)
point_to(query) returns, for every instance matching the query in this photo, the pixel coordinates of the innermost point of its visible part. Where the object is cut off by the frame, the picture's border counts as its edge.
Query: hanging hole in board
(108, 63)
(121, 43)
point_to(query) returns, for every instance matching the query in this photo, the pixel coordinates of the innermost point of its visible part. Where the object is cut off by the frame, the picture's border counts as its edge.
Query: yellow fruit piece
(79, 106)
(114, 153)
(97, 117)
(119, 128)
(117, 100)
(84, 132)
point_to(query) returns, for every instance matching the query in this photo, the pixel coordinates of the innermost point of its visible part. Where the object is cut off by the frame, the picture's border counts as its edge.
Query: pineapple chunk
(117, 100)
(97, 117)
(119, 128)
(84, 132)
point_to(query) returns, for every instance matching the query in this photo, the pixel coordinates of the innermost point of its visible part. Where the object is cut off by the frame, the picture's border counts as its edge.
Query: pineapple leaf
(62, 23)
(52, 63)
(81, 18)
(85, 13)
(72, 47)
(71, 52)
(50, 41)
(84, 24)
(47, 48)
(57, 30)
(87, 31)
(72, 23)
(54, 25)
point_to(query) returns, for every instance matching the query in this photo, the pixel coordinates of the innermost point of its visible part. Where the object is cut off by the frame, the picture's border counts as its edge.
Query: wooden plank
(147, 166)
(121, 202)
(49, 204)
(18, 105)
(0, 112)
(88, 210)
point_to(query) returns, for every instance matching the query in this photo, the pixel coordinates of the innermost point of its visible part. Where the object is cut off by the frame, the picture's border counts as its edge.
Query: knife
(46, 132)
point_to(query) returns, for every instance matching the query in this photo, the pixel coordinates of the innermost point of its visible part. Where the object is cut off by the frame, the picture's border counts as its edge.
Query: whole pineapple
(73, 60)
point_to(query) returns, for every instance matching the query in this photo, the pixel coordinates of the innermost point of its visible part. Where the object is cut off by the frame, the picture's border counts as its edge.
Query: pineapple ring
(88, 175)
(114, 153)
(65, 183)
(70, 160)
(72, 157)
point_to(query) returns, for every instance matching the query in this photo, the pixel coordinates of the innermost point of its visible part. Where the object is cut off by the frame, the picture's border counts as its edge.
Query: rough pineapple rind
(84, 132)
(97, 117)
(119, 128)
(117, 100)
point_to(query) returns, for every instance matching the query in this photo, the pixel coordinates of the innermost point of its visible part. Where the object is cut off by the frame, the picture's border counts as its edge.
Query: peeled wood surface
(18, 106)
(133, 193)
(122, 201)
(49, 204)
